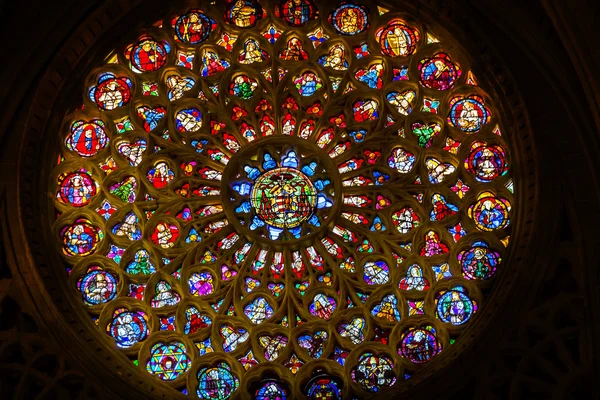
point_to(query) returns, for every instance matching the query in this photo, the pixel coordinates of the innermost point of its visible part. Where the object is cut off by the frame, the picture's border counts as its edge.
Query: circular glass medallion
(283, 197)
(280, 190)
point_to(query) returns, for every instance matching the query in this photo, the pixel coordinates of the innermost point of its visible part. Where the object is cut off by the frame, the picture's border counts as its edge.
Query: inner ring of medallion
(283, 197)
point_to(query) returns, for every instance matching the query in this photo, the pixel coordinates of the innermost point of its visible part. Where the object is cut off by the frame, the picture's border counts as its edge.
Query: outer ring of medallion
(253, 150)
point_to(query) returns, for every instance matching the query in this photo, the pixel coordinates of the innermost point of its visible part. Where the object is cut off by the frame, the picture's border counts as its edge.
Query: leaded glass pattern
(319, 190)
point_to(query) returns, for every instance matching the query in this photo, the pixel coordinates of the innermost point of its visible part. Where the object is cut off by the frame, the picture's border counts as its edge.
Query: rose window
(283, 197)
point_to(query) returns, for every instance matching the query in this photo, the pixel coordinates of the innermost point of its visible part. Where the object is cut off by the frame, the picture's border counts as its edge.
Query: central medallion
(283, 197)
(280, 189)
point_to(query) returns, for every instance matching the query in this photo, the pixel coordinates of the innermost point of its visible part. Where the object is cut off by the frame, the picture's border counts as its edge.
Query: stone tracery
(170, 182)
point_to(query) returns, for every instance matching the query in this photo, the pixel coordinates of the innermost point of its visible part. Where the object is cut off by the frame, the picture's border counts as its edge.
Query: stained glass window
(269, 183)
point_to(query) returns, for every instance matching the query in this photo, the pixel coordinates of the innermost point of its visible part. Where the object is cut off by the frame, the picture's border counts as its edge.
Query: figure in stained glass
(147, 54)
(194, 27)
(349, 19)
(87, 138)
(111, 91)
(294, 51)
(490, 212)
(212, 64)
(374, 373)
(372, 76)
(468, 114)
(243, 13)
(397, 39)
(217, 382)
(455, 306)
(296, 12)
(128, 328)
(335, 58)
(439, 72)
(76, 188)
(252, 52)
(419, 345)
(81, 238)
(97, 286)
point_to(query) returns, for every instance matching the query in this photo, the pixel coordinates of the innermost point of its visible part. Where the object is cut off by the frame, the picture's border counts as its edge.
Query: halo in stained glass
(189, 120)
(243, 87)
(308, 83)
(479, 262)
(160, 175)
(486, 162)
(322, 306)
(165, 235)
(97, 286)
(414, 279)
(490, 212)
(397, 39)
(354, 330)
(128, 328)
(349, 19)
(178, 85)
(141, 264)
(296, 12)
(468, 113)
(81, 238)
(147, 54)
(252, 52)
(455, 306)
(439, 72)
(401, 160)
(193, 27)
(294, 50)
(111, 91)
(419, 345)
(129, 227)
(87, 138)
(243, 13)
(284, 184)
(212, 64)
(76, 188)
(335, 58)
(259, 310)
